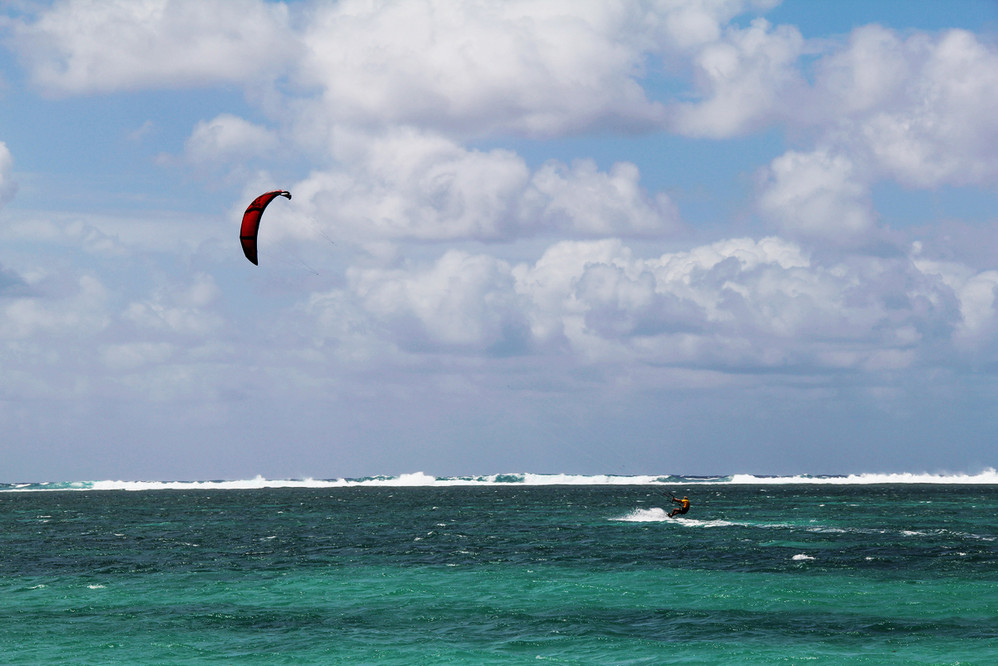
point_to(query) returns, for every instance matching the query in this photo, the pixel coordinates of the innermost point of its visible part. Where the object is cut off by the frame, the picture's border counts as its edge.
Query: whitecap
(420, 479)
(658, 515)
(653, 515)
(988, 476)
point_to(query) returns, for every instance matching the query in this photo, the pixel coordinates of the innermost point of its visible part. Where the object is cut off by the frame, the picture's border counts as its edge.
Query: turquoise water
(492, 573)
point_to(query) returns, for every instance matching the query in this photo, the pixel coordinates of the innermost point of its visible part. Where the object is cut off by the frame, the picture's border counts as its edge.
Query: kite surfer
(684, 506)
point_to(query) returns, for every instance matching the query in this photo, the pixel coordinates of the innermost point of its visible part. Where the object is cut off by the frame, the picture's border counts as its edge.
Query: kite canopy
(251, 221)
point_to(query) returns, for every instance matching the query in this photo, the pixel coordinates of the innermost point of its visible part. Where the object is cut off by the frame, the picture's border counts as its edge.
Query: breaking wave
(419, 479)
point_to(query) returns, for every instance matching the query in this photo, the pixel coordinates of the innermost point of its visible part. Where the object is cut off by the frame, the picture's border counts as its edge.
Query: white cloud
(86, 46)
(692, 24)
(947, 132)
(415, 185)
(979, 307)
(82, 310)
(470, 68)
(735, 305)
(596, 295)
(977, 297)
(461, 301)
(817, 195)
(919, 110)
(8, 187)
(583, 200)
(478, 68)
(180, 309)
(871, 72)
(604, 302)
(549, 283)
(538, 68)
(744, 81)
(916, 109)
(228, 138)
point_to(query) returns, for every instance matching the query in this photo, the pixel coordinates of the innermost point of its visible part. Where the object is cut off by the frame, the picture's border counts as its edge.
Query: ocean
(503, 569)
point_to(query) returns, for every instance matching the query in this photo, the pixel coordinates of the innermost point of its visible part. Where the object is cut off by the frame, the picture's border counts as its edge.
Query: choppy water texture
(837, 574)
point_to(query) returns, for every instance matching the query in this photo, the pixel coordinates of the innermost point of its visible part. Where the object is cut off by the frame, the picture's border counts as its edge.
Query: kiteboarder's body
(684, 506)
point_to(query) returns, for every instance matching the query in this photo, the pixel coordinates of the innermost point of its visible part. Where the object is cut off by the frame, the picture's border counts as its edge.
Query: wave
(658, 515)
(419, 479)
(986, 477)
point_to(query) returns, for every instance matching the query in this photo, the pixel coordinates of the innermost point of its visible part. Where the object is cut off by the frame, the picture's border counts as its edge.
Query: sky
(588, 237)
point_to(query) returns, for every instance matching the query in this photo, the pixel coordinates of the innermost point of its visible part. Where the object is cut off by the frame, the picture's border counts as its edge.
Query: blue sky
(588, 237)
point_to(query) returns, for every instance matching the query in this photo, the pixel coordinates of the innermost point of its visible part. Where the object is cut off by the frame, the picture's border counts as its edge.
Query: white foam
(985, 477)
(653, 515)
(657, 515)
(421, 479)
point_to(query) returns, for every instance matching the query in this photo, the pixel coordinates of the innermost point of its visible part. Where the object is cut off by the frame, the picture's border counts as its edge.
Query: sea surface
(502, 569)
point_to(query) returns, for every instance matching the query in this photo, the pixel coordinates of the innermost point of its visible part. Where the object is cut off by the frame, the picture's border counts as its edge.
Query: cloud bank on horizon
(624, 237)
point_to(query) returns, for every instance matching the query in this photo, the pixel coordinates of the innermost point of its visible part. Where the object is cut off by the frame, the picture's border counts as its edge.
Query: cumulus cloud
(913, 110)
(918, 110)
(87, 46)
(461, 301)
(732, 306)
(871, 71)
(976, 295)
(605, 303)
(8, 187)
(817, 195)
(946, 132)
(514, 66)
(227, 138)
(409, 184)
(416, 185)
(743, 81)
(743, 303)
(583, 200)
(471, 68)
